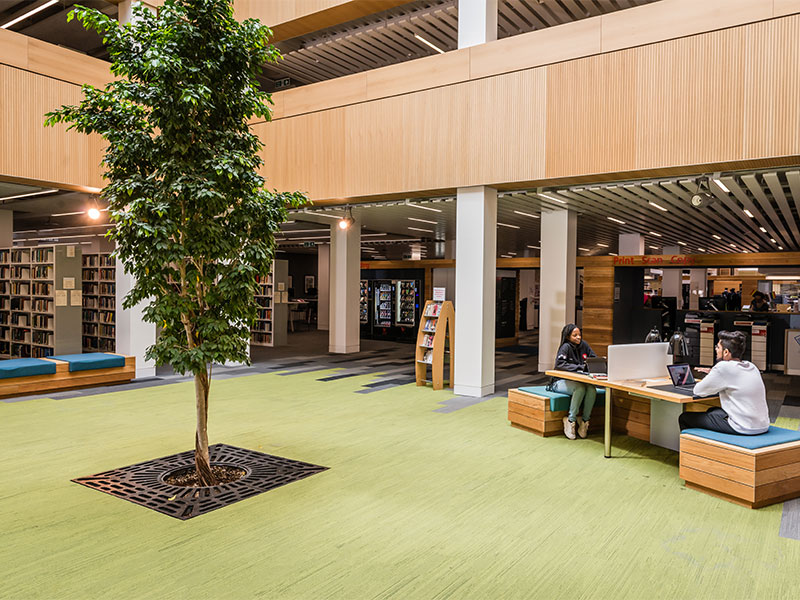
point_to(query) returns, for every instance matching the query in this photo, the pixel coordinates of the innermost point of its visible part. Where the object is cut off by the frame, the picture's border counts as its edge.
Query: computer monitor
(637, 361)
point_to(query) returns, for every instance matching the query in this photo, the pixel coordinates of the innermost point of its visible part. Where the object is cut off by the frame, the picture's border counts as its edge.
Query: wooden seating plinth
(752, 478)
(63, 379)
(531, 412)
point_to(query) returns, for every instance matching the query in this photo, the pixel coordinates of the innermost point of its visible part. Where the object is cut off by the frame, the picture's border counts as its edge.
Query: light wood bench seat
(540, 411)
(753, 477)
(64, 379)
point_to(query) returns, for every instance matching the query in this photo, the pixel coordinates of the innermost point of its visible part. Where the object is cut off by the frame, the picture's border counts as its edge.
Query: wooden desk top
(637, 387)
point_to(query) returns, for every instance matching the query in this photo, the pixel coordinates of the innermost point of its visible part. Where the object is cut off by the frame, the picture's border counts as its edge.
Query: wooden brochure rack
(434, 342)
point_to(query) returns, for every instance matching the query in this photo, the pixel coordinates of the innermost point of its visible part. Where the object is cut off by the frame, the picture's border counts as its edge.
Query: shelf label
(76, 298)
(69, 283)
(438, 294)
(61, 297)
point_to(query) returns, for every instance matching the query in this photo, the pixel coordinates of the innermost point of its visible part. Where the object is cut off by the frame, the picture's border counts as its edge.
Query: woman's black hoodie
(571, 357)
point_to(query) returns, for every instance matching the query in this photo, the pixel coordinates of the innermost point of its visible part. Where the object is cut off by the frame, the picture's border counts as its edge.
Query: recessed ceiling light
(366, 234)
(701, 249)
(421, 220)
(524, 214)
(748, 213)
(722, 186)
(28, 195)
(715, 236)
(69, 214)
(616, 220)
(427, 43)
(418, 229)
(658, 206)
(653, 247)
(733, 245)
(537, 247)
(319, 213)
(584, 249)
(612, 253)
(773, 240)
(553, 198)
(654, 233)
(681, 243)
(512, 253)
(763, 230)
(30, 13)
(780, 247)
(507, 225)
(424, 207)
(602, 245)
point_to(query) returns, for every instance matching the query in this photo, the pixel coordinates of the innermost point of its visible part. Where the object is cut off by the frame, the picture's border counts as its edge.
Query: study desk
(664, 411)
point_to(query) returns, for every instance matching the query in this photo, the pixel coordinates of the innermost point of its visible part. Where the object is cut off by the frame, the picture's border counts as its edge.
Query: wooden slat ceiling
(393, 36)
(658, 209)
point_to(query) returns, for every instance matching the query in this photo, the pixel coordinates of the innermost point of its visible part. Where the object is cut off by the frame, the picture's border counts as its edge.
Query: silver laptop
(597, 365)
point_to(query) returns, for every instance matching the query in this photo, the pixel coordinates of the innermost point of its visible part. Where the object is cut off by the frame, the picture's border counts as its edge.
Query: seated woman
(740, 388)
(571, 356)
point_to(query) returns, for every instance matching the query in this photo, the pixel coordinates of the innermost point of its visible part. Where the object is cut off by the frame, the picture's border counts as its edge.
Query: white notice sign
(70, 251)
(61, 297)
(69, 283)
(438, 294)
(76, 298)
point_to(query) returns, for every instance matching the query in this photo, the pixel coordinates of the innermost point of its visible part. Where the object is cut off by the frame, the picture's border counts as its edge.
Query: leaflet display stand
(435, 342)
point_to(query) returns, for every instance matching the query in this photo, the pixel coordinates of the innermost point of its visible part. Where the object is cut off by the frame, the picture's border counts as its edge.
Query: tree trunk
(202, 461)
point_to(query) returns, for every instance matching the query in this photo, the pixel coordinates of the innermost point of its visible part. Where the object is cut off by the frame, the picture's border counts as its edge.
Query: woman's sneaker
(569, 428)
(583, 428)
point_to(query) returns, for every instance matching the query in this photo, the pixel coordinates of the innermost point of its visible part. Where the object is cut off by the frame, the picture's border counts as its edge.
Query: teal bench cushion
(559, 401)
(91, 361)
(25, 367)
(775, 435)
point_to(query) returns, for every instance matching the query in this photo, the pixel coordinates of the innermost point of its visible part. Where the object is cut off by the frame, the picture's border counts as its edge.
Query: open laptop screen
(681, 374)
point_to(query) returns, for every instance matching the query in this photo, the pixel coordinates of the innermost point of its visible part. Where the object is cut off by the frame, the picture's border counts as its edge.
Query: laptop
(682, 380)
(597, 366)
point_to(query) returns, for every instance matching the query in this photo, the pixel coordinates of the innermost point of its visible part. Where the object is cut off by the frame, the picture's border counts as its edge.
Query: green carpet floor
(416, 504)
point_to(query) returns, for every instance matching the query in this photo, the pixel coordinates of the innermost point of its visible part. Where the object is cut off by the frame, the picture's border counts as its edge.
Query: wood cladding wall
(28, 150)
(35, 78)
(728, 96)
(598, 307)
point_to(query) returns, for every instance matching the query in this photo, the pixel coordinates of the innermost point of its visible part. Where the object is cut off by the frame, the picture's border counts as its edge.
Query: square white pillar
(476, 261)
(630, 244)
(557, 274)
(477, 22)
(671, 279)
(345, 273)
(323, 286)
(134, 335)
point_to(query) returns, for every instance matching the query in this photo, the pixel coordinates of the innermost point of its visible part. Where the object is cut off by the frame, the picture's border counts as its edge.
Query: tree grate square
(143, 483)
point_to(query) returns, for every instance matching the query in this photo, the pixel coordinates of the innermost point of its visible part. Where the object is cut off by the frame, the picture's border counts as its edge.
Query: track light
(347, 219)
(703, 196)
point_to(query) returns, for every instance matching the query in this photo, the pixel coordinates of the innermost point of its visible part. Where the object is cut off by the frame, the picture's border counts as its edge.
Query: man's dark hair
(734, 342)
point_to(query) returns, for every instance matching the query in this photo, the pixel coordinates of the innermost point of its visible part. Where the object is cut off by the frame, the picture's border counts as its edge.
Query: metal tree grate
(143, 483)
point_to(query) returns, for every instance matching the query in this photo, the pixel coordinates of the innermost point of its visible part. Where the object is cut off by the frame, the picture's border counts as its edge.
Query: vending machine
(406, 302)
(363, 303)
(383, 292)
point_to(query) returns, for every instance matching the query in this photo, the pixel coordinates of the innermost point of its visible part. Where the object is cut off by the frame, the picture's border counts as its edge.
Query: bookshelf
(269, 328)
(39, 301)
(98, 277)
(435, 343)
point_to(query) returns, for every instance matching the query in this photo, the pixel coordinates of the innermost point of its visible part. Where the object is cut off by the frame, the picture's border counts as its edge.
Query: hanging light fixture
(347, 219)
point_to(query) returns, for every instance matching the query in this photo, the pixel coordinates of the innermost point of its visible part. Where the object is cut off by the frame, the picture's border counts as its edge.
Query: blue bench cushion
(91, 361)
(775, 435)
(25, 367)
(559, 401)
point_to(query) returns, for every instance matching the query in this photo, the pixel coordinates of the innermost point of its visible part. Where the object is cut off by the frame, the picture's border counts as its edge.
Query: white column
(671, 278)
(557, 275)
(476, 260)
(323, 286)
(6, 228)
(477, 22)
(345, 272)
(697, 287)
(630, 244)
(134, 335)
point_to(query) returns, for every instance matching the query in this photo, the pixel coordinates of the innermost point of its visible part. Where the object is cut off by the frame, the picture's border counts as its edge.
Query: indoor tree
(194, 223)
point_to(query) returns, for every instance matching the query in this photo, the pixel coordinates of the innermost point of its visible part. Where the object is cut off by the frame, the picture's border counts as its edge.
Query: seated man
(740, 388)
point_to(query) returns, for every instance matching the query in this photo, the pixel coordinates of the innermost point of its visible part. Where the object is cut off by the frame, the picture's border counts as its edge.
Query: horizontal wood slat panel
(707, 465)
(726, 486)
(720, 454)
(28, 150)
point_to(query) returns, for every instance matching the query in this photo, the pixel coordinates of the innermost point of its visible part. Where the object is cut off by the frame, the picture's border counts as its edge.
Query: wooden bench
(540, 411)
(59, 377)
(753, 471)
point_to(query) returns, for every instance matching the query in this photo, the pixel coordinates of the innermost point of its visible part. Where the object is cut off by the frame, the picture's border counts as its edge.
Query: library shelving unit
(435, 343)
(40, 301)
(99, 302)
(269, 328)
